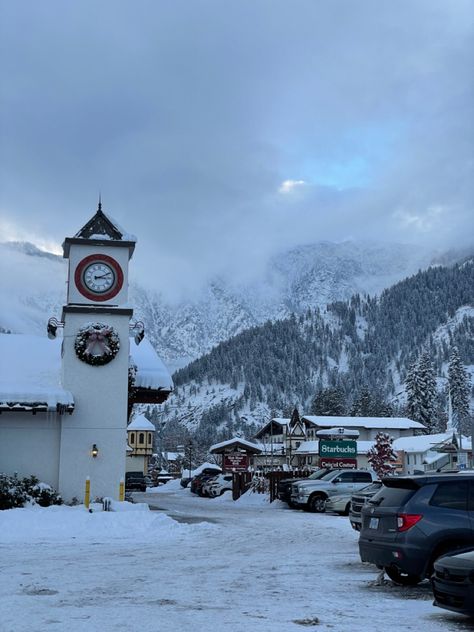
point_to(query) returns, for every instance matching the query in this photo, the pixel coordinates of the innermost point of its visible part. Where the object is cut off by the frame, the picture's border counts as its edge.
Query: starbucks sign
(335, 449)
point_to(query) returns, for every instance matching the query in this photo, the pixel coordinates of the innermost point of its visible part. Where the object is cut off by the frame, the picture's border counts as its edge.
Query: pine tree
(459, 391)
(420, 385)
(381, 456)
(329, 402)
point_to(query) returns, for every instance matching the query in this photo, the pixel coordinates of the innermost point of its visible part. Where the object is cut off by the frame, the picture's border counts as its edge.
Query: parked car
(186, 479)
(313, 494)
(198, 480)
(284, 485)
(453, 583)
(414, 520)
(339, 504)
(358, 500)
(136, 481)
(219, 485)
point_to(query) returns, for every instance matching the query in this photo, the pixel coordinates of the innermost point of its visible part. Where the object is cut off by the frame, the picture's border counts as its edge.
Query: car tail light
(407, 521)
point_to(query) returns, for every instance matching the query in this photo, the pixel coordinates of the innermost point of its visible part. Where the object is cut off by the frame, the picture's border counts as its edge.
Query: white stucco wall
(29, 444)
(100, 415)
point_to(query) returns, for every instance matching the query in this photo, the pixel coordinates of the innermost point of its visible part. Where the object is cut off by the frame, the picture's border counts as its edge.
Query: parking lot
(245, 566)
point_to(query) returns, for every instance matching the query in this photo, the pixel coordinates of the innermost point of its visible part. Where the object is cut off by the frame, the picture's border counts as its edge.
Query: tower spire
(99, 208)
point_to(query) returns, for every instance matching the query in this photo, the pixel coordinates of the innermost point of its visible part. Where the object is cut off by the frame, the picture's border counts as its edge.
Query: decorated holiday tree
(381, 456)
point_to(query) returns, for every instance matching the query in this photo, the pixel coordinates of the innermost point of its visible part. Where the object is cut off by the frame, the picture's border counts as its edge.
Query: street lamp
(190, 451)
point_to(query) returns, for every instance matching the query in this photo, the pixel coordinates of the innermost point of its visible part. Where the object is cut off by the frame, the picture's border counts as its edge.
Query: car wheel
(399, 577)
(317, 503)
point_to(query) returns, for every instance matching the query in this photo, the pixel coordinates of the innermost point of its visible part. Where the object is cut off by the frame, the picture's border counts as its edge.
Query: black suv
(414, 520)
(284, 485)
(136, 481)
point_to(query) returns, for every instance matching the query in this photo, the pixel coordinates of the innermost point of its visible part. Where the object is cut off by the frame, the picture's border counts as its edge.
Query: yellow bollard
(122, 490)
(87, 494)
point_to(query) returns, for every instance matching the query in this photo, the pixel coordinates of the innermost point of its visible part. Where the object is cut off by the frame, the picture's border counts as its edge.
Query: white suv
(312, 495)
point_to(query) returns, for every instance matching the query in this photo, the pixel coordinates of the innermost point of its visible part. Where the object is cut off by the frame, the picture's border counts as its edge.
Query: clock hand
(101, 276)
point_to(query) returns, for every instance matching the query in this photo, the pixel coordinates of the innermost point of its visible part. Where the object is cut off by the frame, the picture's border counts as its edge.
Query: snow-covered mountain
(32, 288)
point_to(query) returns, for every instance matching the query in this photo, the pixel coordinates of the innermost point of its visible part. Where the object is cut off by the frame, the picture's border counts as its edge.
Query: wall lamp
(52, 327)
(95, 450)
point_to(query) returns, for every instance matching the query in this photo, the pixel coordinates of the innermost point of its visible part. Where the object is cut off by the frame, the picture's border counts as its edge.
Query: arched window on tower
(132, 437)
(149, 438)
(141, 437)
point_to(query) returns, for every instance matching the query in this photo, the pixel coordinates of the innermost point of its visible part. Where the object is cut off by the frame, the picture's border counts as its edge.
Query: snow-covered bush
(12, 492)
(41, 493)
(260, 484)
(16, 492)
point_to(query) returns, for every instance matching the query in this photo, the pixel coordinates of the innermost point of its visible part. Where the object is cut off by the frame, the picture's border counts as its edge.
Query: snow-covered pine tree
(459, 391)
(381, 456)
(363, 404)
(420, 386)
(329, 402)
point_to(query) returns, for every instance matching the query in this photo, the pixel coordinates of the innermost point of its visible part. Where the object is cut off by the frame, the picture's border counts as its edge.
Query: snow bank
(63, 524)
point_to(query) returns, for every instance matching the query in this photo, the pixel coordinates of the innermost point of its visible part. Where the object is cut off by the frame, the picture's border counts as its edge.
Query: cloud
(189, 118)
(287, 186)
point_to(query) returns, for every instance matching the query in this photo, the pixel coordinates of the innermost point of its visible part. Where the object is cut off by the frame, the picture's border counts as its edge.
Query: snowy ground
(218, 565)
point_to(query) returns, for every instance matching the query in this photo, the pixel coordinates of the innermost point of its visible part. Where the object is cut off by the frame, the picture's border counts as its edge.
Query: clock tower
(95, 358)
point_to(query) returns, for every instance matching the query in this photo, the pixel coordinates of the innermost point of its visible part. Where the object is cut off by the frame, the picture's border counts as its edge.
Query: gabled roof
(101, 229)
(235, 443)
(140, 422)
(100, 224)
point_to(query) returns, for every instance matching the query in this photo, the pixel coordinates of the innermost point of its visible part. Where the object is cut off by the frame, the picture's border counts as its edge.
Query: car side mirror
(337, 480)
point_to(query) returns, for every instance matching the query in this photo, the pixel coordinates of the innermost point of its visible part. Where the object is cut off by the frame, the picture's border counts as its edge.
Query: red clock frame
(79, 277)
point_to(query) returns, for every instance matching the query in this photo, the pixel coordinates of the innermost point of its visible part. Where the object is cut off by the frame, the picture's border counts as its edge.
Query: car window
(451, 495)
(346, 477)
(392, 496)
(329, 476)
(362, 477)
(471, 496)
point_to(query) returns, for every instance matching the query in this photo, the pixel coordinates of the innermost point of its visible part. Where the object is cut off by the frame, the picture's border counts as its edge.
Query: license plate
(374, 523)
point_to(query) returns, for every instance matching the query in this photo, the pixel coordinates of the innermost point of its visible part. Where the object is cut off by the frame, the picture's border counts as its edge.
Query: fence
(262, 482)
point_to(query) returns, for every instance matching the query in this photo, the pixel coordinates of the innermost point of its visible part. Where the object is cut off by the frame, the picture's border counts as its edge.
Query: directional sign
(338, 449)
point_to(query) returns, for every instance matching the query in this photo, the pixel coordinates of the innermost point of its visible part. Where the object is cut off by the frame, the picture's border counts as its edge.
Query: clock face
(98, 277)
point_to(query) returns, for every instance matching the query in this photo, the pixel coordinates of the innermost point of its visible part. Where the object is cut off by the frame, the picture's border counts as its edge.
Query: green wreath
(97, 344)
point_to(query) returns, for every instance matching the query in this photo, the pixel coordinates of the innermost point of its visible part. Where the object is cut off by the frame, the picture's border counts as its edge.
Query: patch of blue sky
(355, 159)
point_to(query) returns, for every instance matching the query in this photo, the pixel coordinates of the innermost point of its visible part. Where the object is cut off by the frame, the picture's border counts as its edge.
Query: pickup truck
(312, 495)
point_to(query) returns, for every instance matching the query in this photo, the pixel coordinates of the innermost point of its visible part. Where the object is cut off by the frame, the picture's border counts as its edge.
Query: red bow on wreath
(98, 337)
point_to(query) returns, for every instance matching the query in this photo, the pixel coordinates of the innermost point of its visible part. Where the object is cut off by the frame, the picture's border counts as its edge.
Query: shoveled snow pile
(61, 523)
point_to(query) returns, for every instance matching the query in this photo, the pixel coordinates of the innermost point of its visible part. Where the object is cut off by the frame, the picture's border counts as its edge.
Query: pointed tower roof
(101, 229)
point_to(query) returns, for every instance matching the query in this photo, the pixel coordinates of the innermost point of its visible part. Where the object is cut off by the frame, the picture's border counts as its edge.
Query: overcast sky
(222, 131)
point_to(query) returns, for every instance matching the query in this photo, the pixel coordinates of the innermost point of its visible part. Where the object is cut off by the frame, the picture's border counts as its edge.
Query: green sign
(342, 448)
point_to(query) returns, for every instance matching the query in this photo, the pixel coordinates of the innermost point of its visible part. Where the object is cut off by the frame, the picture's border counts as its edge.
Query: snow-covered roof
(151, 372)
(331, 432)
(424, 443)
(384, 423)
(235, 441)
(30, 374)
(198, 470)
(140, 422)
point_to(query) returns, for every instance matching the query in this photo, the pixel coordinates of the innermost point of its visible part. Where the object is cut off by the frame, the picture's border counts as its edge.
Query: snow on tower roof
(140, 422)
(30, 374)
(151, 372)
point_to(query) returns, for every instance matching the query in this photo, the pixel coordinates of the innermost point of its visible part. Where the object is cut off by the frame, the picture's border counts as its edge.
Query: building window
(132, 437)
(141, 437)
(149, 438)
